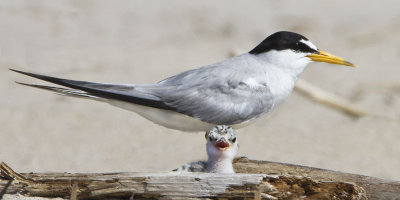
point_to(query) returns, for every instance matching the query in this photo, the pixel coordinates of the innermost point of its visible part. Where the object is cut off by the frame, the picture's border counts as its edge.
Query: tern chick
(222, 146)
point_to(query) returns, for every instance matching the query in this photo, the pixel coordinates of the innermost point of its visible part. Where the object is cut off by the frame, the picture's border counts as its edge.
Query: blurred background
(147, 41)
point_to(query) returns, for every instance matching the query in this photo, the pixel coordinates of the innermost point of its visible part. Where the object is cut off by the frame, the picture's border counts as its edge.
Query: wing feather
(127, 93)
(217, 95)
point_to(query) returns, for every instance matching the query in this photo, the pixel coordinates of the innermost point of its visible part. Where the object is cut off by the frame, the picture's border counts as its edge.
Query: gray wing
(217, 95)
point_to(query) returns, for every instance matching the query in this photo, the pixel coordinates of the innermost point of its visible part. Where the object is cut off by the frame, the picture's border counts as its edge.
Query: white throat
(220, 165)
(220, 161)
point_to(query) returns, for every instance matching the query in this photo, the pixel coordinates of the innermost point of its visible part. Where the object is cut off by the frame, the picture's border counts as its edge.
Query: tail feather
(65, 91)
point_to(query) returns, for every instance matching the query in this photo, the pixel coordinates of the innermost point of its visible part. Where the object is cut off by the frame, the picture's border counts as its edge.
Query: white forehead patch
(308, 43)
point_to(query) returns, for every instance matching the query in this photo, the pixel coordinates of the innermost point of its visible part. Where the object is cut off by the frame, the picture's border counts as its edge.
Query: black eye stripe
(301, 47)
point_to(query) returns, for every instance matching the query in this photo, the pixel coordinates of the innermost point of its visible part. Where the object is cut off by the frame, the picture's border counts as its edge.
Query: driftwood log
(254, 180)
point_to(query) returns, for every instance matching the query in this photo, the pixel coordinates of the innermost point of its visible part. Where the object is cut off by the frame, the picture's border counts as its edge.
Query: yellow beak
(323, 56)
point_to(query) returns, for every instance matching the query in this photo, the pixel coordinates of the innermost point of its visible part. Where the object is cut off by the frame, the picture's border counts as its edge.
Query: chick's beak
(323, 56)
(222, 145)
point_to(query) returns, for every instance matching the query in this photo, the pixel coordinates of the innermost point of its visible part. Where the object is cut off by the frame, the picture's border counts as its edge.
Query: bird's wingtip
(18, 71)
(21, 72)
(38, 76)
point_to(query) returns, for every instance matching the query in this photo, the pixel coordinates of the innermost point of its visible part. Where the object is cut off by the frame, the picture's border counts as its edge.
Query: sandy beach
(147, 41)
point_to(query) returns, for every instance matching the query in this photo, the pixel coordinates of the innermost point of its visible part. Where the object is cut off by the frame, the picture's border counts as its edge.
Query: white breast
(170, 119)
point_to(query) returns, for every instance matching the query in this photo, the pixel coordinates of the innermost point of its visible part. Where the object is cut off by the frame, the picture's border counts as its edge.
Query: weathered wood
(174, 186)
(288, 179)
(375, 188)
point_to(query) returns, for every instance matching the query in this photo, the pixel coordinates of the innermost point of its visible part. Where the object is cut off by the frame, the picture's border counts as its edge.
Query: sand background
(146, 41)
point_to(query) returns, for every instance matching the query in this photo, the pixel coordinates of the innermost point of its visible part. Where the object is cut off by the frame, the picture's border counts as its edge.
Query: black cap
(283, 40)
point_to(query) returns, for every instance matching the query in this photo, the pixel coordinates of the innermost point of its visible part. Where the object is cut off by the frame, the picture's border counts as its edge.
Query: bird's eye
(234, 140)
(211, 139)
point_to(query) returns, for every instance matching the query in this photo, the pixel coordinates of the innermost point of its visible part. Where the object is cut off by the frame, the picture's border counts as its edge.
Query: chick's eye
(234, 140)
